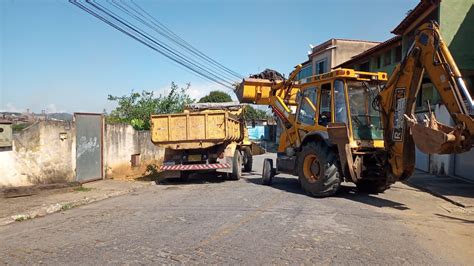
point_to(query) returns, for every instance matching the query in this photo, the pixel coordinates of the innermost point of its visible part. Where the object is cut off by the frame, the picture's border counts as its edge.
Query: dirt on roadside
(448, 227)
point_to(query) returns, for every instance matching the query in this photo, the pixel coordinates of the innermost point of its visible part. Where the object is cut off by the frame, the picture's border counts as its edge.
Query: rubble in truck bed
(268, 74)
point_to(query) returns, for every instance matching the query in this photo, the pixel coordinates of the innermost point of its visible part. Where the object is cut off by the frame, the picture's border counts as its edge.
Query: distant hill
(58, 116)
(61, 116)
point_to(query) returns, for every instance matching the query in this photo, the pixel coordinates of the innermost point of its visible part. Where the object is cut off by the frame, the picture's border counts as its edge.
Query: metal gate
(89, 146)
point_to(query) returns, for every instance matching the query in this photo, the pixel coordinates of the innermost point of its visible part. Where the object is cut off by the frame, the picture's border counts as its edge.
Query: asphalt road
(243, 222)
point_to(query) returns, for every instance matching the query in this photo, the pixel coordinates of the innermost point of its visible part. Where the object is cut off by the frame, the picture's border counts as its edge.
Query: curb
(13, 192)
(436, 194)
(58, 207)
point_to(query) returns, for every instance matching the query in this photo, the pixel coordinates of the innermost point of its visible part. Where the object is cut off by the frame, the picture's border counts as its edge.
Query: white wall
(39, 155)
(46, 153)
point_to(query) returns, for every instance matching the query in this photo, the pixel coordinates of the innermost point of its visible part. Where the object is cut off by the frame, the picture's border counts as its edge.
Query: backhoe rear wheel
(317, 170)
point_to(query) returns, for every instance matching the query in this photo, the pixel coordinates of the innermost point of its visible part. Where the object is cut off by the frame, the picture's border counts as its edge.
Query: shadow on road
(455, 218)
(281, 183)
(292, 185)
(351, 193)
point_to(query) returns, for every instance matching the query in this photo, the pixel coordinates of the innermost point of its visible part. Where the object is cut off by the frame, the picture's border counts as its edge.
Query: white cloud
(9, 107)
(52, 108)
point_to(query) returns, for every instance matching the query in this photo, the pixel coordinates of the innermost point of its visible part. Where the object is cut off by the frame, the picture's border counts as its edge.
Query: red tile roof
(414, 14)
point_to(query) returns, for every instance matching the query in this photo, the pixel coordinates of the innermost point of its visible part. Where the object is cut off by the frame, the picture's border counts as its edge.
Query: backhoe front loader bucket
(434, 137)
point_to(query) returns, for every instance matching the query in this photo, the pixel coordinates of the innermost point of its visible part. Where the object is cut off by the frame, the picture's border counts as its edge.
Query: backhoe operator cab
(334, 134)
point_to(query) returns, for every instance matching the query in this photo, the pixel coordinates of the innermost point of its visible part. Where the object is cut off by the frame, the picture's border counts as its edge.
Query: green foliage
(66, 207)
(252, 113)
(216, 97)
(135, 109)
(175, 101)
(19, 127)
(83, 189)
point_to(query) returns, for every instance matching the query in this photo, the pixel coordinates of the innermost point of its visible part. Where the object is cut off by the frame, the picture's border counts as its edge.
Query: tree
(136, 108)
(251, 113)
(216, 97)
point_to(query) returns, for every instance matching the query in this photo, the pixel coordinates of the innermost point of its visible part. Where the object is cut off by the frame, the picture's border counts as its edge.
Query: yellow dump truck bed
(196, 129)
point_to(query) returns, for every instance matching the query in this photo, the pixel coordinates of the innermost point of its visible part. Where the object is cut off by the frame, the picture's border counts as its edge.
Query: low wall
(42, 153)
(121, 141)
(45, 153)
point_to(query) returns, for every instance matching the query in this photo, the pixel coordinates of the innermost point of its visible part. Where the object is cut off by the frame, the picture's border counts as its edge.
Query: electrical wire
(132, 31)
(215, 69)
(182, 42)
(157, 42)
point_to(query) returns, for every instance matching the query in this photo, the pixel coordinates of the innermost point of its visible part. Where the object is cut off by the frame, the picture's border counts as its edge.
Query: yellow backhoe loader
(351, 125)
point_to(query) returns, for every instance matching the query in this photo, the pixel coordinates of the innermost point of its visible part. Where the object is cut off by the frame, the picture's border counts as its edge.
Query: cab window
(340, 102)
(307, 109)
(325, 105)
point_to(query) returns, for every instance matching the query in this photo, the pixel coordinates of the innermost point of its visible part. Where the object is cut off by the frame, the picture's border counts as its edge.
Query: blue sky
(55, 56)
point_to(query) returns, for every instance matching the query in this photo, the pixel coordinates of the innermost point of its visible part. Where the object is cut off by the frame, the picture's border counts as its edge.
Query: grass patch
(66, 207)
(21, 218)
(82, 189)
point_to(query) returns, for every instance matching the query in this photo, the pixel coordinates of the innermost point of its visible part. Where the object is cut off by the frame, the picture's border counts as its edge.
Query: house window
(305, 72)
(365, 66)
(398, 53)
(387, 58)
(378, 62)
(427, 93)
(321, 66)
(408, 41)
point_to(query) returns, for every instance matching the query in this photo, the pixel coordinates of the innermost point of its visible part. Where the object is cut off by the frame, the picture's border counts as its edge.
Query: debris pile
(268, 74)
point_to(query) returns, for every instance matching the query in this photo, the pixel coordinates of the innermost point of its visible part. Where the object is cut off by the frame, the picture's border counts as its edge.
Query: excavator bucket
(433, 137)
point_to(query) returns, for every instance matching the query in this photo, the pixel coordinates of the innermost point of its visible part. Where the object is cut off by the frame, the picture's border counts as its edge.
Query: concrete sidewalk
(454, 190)
(23, 208)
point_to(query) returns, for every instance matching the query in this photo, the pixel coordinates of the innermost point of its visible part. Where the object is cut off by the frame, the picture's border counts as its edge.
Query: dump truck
(206, 137)
(356, 126)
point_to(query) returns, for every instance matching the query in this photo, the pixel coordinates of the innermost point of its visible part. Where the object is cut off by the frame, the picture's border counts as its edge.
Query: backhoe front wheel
(317, 170)
(247, 159)
(268, 172)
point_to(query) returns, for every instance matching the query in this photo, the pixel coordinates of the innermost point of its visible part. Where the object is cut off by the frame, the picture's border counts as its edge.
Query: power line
(157, 42)
(190, 47)
(149, 45)
(217, 70)
(132, 31)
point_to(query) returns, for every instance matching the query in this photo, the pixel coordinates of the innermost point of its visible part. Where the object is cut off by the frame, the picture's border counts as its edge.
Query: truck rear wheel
(317, 170)
(248, 160)
(236, 166)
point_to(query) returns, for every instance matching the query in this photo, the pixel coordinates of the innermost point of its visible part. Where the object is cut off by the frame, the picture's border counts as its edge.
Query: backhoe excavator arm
(397, 100)
(280, 95)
